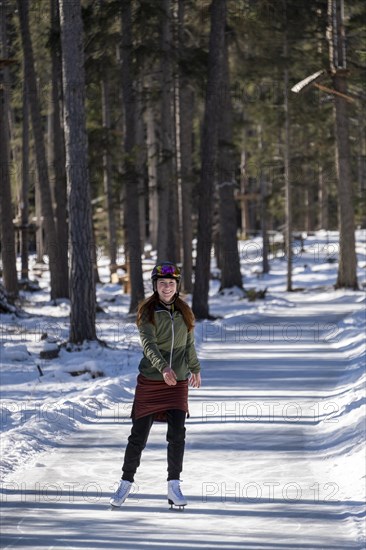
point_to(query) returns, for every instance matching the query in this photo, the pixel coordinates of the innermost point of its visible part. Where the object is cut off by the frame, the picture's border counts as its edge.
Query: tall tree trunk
(94, 258)
(131, 210)
(208, 159)
(152, 164)
(6, 209)
(347, 268)
(107, 177)
(107, 168)
(186, 109)
(8, 253)
(310, 203)
(44, 184)
(361, 162)
(323, 200)
(166, 173)
(82, 285)
(141, 163)
(24, 203)
(230, 263)
(39, 221)
(217, 251)
(177, 215)
(263, 188)
(286, 145)
(58, 150)
(244, 189)
(264, 224)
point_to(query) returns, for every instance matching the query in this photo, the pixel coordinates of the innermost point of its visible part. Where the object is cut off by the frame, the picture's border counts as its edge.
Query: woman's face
(166, 289)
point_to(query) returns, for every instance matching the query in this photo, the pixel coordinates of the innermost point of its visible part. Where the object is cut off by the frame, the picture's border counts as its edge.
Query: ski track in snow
(275, 440)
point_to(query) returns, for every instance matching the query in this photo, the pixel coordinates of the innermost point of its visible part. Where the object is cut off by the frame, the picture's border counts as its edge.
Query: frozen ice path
(262, 458)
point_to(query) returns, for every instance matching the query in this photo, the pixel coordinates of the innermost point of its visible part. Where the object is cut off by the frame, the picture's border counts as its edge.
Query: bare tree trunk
(131, 211)
(217, 250)
(361, 162)
(24, 203)
(263, 188)
(208, 159)
(107, 178)
(177, 170)
(82, 285)
(323, 201)
(141, 163)
(39, 221)
(45, 190)
(186, 130)
(347, 268)
(107, 172)
(288, 189)
(264, 224)
(244, 189)
(310, 205)
(94, 258)
(8, 252)
(6, 209)
(165, 248)
(228, 240)
(152, 156)
(186, 110)
(58, 151)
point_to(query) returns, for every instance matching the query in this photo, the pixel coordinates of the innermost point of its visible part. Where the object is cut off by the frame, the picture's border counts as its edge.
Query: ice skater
(168, 365)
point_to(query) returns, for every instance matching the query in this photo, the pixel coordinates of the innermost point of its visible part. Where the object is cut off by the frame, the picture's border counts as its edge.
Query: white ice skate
(121, 494)
(175, 496)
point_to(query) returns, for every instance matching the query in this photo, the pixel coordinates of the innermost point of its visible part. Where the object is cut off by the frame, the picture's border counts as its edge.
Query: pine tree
(185, 160)
(57, 147)
(57, 283)
(131, 210)
(6, 208)
(229, 254)
(347, 269)
(82, 284)
(208, 159)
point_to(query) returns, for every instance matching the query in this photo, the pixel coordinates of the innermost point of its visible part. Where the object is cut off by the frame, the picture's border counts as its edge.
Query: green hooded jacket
(167, 344)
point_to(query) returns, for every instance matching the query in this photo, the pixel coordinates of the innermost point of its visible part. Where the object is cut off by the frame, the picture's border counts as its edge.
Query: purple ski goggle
(166, 270)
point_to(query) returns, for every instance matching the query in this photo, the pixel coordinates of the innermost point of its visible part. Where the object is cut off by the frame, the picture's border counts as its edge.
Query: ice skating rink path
(266, 464)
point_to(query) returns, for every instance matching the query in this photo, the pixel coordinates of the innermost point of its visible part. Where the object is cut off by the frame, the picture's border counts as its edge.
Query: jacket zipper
(172, 346)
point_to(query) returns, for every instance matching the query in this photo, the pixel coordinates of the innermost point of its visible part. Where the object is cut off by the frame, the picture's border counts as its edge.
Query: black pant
(137, 441)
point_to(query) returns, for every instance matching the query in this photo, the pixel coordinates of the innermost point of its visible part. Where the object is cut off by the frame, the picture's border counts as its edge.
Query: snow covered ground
(275, 455)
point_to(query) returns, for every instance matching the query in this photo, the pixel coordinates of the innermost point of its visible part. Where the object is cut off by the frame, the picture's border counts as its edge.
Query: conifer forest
(177, 128)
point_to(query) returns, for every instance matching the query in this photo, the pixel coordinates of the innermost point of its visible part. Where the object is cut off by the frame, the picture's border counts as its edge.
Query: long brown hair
(145, 312)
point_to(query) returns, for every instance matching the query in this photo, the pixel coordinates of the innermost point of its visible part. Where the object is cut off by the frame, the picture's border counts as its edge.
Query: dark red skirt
(156, 397)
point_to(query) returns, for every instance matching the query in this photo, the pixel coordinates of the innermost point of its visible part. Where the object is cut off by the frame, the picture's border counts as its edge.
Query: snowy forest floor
(275, 440)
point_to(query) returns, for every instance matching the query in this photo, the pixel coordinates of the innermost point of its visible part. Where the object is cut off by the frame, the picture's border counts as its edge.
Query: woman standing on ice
(169, 362)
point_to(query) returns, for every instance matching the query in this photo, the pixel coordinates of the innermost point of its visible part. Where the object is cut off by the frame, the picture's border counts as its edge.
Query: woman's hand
(170, 377)
(195, 380)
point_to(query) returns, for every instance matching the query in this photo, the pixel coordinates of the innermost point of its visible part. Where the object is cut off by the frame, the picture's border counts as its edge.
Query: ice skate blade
(176, 506)
(114, 507)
